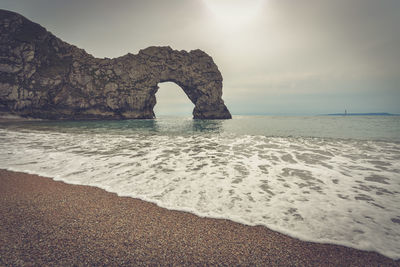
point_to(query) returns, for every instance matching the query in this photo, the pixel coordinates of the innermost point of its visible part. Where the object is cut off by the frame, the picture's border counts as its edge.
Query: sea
(326, 179)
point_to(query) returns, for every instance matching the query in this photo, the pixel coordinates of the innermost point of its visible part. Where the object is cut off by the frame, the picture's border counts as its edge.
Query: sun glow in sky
(275, 56)
(234, 13)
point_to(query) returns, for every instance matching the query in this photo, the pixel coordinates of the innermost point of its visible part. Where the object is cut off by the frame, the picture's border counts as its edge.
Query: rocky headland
(44, 77)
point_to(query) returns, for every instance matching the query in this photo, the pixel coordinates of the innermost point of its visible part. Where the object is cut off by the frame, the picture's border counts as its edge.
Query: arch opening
(171, 100)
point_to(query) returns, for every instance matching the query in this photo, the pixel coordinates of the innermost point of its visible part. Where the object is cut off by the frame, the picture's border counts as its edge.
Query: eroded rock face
(43, 77)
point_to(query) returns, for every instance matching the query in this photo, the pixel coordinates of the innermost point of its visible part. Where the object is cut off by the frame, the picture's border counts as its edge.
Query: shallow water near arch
(323, 179)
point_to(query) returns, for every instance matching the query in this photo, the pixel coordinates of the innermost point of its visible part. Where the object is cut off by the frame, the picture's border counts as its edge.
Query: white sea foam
(324, 190)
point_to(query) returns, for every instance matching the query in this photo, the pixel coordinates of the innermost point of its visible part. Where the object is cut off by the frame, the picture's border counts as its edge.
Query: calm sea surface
(318, 178)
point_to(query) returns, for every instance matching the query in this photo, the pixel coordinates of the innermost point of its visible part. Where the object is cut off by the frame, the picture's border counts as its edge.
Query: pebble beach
(46, 222)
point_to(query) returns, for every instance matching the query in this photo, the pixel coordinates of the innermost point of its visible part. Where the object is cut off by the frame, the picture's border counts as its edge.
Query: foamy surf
(317, 189)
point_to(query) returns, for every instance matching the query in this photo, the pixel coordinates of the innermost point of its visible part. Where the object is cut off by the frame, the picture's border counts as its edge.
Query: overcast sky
(276, 56)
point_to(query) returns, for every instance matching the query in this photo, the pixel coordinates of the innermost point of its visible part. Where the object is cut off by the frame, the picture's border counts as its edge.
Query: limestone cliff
(43, 77)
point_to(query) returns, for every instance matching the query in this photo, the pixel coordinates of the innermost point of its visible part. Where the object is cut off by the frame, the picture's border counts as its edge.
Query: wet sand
(44, 222)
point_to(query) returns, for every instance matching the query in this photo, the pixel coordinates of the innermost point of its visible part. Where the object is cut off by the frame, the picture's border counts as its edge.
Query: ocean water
(318, 178)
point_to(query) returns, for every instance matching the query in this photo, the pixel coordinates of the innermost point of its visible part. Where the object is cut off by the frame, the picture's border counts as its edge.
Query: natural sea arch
(194, 72)
(45, 77)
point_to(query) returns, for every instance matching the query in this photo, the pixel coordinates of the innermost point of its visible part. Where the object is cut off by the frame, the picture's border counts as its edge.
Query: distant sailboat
(345, 112)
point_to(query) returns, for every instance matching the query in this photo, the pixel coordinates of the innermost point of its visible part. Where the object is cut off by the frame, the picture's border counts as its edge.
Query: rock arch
(45, 77)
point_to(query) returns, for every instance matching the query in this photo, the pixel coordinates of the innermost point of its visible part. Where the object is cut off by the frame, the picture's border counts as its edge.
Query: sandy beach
(45, 222)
